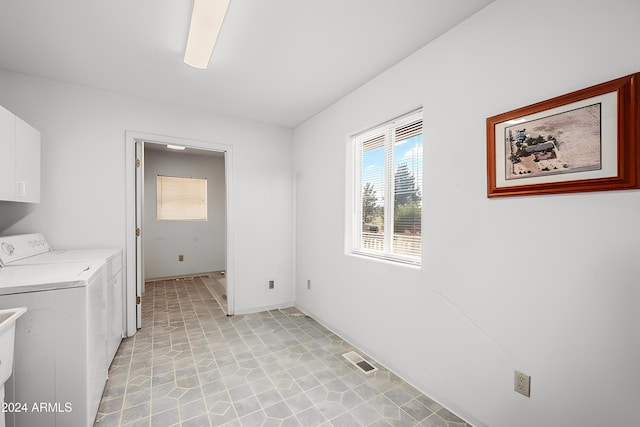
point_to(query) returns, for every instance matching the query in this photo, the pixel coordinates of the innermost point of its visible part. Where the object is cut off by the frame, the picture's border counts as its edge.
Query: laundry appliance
(38, 251)
(66, 340)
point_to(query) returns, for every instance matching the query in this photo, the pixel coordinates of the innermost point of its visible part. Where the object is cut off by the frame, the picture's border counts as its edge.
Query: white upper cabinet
(27, 162)
(7, 155)
(19, 159)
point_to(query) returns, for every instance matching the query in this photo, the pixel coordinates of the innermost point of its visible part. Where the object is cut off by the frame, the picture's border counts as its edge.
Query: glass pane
(407, 213)
(372, 179)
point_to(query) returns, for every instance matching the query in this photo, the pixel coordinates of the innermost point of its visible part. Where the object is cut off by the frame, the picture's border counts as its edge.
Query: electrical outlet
(522, 383)
(180, 258)
(272, 284)
(309, 284)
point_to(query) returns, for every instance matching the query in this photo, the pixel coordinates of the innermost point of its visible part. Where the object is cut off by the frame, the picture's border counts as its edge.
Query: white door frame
(131, 260)
(139, 224)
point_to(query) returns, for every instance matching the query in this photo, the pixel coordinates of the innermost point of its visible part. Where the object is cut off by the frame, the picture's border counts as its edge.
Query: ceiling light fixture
(175, 147)
(206, 21)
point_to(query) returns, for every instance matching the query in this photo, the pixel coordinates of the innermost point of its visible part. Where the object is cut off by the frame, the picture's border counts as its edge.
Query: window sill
(387, 260)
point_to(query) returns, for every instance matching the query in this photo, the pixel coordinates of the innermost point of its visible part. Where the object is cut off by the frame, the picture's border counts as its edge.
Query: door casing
(134, 277)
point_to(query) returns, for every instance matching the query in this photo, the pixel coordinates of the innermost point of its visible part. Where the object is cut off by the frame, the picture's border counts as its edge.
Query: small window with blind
(181, 199)
(388, 190)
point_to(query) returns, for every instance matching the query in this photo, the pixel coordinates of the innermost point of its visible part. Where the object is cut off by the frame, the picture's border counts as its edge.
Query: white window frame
(355, 216)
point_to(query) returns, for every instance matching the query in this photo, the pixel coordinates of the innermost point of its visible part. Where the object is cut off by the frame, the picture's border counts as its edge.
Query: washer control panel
(20, 246)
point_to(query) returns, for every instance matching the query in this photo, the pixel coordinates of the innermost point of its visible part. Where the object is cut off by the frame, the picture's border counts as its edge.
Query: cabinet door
(7, 155)
(27, 162)
(114, 316)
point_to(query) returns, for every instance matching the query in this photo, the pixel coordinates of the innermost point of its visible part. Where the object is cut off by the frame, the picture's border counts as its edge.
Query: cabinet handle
(22, 188)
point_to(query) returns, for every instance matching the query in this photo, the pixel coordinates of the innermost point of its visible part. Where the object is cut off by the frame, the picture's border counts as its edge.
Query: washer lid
(42, 277)
(20, 246)
(73, 255)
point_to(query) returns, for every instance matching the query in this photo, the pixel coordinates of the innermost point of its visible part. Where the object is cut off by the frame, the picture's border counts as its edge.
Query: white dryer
(61, 353)
(31, 249)
(60, 348)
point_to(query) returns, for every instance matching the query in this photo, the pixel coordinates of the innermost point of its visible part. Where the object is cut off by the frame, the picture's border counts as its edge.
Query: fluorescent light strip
(175, 147)
(206, 21)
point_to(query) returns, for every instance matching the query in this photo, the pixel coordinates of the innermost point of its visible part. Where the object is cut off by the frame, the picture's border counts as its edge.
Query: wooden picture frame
(588, 140)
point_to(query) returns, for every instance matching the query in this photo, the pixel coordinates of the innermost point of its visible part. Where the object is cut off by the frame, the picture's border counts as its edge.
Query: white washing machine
(30, 249)
(61, 357)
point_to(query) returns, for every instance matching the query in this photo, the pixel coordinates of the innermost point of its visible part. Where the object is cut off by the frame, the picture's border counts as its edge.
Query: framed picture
(588, 140)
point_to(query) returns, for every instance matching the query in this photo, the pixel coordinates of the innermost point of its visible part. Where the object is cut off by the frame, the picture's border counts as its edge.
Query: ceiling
(275, 61)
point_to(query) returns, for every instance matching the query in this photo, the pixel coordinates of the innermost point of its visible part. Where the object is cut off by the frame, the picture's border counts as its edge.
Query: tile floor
(216, 282)
(191, 365)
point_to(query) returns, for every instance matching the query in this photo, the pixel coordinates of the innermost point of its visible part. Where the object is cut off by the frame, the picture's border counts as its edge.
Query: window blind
(388, 207)
(181, 199)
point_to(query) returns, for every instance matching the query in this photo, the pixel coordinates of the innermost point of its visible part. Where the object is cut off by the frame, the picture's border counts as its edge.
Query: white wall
(458, 327)
(202, 243)
(83, 177)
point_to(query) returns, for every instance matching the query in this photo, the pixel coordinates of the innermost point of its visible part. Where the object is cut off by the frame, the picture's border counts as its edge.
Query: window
(388, 190)
(181, 199)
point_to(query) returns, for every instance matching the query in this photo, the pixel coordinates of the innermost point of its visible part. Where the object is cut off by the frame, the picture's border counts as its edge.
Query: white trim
(384, 260)
(396, 259)
(265, 308)
(130, 224)
(399, 119)
(353, 167)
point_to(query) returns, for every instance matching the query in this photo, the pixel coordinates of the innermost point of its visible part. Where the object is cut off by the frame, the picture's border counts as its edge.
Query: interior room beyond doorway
(189, 245)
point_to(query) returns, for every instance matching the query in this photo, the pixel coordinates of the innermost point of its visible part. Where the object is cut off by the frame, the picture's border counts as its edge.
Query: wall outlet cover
(522, 383)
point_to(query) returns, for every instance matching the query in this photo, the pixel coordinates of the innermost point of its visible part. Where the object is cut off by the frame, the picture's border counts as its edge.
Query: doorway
(150, 150)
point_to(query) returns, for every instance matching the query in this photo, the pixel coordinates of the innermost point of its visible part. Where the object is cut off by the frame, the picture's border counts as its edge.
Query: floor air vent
(359, 362)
